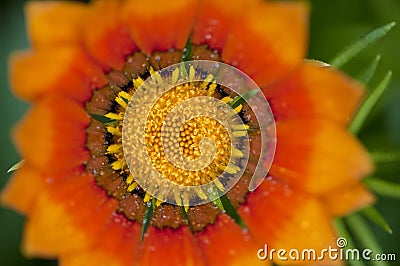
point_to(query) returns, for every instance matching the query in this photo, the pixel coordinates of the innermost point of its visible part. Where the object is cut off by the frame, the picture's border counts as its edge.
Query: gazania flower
(82, 204)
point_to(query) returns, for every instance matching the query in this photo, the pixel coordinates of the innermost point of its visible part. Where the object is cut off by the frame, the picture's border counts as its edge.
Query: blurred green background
(334, 24)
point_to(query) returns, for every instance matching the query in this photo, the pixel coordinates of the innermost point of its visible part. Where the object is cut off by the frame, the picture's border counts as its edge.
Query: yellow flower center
(161, 144)
(130, 183)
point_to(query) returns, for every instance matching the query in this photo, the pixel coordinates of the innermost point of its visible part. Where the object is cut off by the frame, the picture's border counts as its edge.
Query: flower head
(77, 188)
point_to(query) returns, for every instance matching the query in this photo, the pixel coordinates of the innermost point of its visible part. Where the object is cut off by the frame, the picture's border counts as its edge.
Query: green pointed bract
(348, 53)
(219, 204)
(185, 215)
(383, 187)
(15, 166)
(369, 72)
(102, 119)
(225, 205)
(385, 157)
(147, 218)
(187, 52)
(231, 211)
(183, 72)
(361, 231)
(368, 104)
(238, 100)
(342, 231)
(372, 214)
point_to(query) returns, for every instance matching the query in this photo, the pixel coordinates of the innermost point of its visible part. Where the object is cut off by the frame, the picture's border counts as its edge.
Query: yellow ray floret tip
(132, 186)
(219, 185)
(226, 99)
(191, 73)
(114, 116)
(212, 88)
(137, 82)
(125, 95)
(114, 148)
(158, 202)
(118, 164)
(147, 197)
(113, 130)
(175, 75)
(238, 109)
(241, 133)
(121, 102)
(240, 127)
(129, 179)
(201, 194)
(237, 153)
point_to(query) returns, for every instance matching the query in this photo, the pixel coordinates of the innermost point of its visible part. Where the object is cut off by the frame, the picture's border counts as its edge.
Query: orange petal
(23, 189)
(178, 246)
(54, 22)
(105, 37)
(318, 155)
(67, 71)
(115, 248)
(214, 20)
(159, 25)
(67, 217)
(52, 136)
(225, 243)
(347, 199)
(269, 42)
(280, 217)
(314, 91)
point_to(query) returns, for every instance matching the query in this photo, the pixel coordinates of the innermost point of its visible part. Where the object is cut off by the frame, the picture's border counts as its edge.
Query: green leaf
(385, 157)
(372, 213)
(147, 218)
(15, 166)
(344, 56)
(383, 188)
(231, 211)
(368, 104)
(343, 232)
(187, 51)
(360, 229)
(238, 100)
(369, 72)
